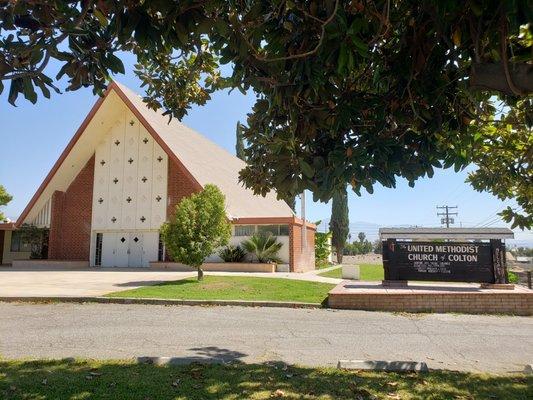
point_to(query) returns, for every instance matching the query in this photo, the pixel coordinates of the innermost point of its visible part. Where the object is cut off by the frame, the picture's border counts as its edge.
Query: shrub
(264, 248)
(322, 246)
(198, 227)
(232, 253)
(512, 277)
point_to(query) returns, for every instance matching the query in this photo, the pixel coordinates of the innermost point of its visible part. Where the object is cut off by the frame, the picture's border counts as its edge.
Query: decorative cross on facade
(144, 179)
(159, 158)
(145, 140)
(117, 142)
(128, 199)
(130, 160)
(102, 163)
(132, 122)
(158, 198)
(113, 220)
(100, 200)
(143, 219)
(115, 181)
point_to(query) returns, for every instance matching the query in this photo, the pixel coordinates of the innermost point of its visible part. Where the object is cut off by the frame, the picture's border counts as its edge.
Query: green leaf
(14, 89)
(29, 91)
(115, 64)
(306, 169)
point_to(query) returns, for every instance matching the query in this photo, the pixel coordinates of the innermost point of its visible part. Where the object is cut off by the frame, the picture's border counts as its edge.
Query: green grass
(124, 380)
(234, 288)
(369, 272)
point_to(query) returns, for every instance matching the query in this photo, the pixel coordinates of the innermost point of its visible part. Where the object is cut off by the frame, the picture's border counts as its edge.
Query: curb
(393, 366)
(152, 301)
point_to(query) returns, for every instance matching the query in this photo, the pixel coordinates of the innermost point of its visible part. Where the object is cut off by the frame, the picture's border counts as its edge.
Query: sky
(33, 137)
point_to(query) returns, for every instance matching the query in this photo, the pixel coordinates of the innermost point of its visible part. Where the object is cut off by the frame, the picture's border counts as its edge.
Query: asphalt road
(306, 337)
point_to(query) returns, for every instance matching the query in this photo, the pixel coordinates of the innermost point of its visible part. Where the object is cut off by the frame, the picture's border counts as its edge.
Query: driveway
(24, 282)
(316, 337)
(46, 282)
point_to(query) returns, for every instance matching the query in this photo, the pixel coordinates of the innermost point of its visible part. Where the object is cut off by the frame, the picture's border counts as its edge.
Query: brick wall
(70, 223)
(470, 303)
(301, 262)
(179, 185)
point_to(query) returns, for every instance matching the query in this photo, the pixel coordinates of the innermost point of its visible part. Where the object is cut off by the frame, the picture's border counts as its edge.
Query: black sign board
(439, 261)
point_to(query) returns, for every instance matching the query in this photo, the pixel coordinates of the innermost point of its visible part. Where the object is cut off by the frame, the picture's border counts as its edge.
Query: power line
(446, 220)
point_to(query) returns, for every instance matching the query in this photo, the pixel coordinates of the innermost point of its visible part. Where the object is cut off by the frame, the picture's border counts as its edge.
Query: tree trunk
(339, 256)
(200, 274)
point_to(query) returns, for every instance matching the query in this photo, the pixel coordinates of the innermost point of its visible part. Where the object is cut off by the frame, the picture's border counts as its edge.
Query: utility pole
(446, 219)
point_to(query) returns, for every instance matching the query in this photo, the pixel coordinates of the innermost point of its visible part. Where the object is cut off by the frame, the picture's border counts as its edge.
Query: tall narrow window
(161, 250)
(98, 249)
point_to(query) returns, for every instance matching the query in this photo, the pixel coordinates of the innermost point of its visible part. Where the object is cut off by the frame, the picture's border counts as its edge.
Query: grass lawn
(76, 380)
(234, 288)
(369, 272)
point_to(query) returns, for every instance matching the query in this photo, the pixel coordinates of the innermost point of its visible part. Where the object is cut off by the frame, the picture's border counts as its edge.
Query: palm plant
(232, 253)
(264, 248)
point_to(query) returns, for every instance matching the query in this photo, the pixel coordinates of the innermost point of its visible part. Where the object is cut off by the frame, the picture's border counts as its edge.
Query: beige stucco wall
(9, 256)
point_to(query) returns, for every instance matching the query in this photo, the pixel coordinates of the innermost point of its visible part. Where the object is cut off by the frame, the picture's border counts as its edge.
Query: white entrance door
(129, 248)
(135, 256)
(108, 249)
(122, 249)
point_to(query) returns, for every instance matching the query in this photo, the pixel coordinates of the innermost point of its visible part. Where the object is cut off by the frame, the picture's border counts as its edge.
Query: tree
(339, 222)
(37, 238)
(378, 246)
(348, 92)
(198, 227)
(504, 154)
(361, 236)
(239, 144)
(5, 198)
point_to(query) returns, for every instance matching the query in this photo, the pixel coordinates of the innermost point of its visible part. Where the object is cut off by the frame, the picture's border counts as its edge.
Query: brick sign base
(514, 302)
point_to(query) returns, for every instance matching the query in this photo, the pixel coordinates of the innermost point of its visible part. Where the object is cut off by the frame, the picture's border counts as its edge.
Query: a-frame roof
(202, 160)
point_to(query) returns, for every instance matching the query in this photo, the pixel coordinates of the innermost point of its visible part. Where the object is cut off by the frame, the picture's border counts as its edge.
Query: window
(268, 230)
(284, 230)
(98, 249)
(160, 250)
(276, 230)
(244, 230)
(17, 244)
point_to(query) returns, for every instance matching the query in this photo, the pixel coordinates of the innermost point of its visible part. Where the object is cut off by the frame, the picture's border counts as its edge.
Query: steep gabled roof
(201, 159)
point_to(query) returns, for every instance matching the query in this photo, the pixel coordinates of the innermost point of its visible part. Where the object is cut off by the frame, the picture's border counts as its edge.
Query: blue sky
(33, 136)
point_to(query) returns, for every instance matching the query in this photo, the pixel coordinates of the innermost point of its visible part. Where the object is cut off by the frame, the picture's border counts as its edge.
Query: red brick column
(56, 216)
(70, 223)
(297, 261)
(179, 186)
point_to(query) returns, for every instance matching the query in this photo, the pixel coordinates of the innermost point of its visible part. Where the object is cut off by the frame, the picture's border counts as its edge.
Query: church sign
(443, 261)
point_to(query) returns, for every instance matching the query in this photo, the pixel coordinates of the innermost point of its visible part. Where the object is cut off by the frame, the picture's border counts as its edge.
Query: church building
(120, 178)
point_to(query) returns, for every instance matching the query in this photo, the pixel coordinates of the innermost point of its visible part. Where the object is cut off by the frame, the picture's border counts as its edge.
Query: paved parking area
(46, 282)
(21, 282)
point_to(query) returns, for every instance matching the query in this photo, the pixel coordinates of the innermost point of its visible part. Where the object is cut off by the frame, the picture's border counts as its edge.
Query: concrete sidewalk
(47, 282)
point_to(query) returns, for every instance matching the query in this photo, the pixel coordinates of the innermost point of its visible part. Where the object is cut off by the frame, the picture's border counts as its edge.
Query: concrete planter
(214, 266)
(350, 272)
(35, 263)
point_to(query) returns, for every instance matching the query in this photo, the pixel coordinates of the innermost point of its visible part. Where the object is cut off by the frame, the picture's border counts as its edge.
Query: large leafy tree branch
(348, 92)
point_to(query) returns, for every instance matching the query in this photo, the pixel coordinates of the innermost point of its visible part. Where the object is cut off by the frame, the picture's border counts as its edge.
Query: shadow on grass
(63, 379)
(157, 283)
